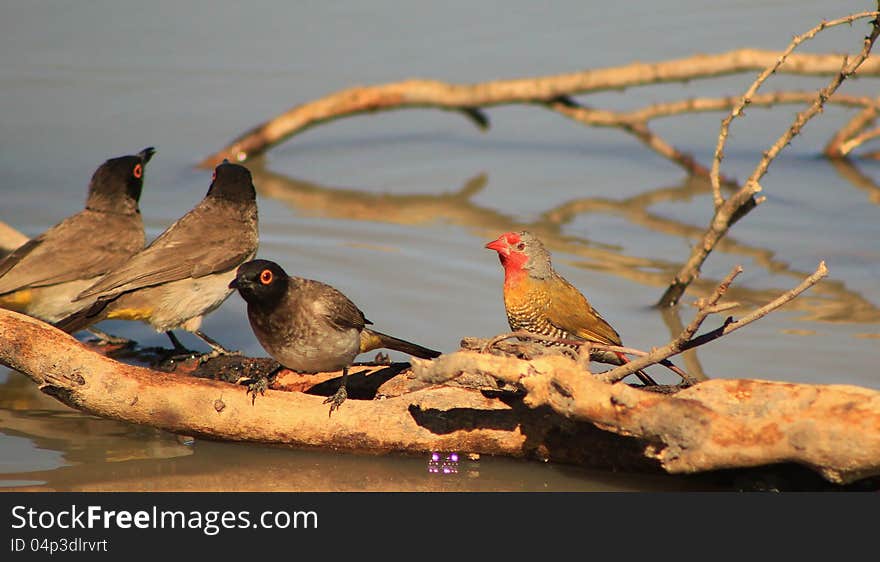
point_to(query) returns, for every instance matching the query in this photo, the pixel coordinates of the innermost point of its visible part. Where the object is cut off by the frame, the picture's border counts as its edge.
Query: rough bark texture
(833, 429)
(448, 418)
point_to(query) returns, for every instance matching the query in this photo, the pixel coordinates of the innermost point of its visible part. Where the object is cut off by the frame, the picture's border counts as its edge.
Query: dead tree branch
(83, 379)
(833, 429)
(553, 92)
(728, 211)
(802, 118)
(686, 339)
(636, 122)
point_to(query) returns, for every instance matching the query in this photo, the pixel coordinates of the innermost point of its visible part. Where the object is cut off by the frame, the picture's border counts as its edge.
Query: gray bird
(184, 273)
(309, 326)
(45, 274)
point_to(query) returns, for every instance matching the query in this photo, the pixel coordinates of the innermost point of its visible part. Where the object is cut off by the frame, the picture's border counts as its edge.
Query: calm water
(394, 209)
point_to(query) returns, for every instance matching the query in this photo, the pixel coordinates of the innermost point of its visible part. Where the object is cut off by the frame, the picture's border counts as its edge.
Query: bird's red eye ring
(138, 171)
(214, 175)
(266, 276)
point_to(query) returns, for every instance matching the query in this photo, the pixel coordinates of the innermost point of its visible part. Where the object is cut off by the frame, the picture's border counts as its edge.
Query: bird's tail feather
(82, 318)
(371, 339)
(643, 376)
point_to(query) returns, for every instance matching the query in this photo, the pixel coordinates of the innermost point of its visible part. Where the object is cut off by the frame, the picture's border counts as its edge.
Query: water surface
(394, 209)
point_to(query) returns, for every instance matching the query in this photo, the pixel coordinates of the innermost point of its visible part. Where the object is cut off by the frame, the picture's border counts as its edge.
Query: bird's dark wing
(85, 245)
(569, 310)
(202, 242)
(330, 303)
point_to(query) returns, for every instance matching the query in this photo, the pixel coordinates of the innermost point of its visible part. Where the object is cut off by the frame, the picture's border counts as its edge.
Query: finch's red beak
(500, 245)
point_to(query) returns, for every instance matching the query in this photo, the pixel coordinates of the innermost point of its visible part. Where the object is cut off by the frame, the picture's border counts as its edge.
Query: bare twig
(861, 120)
(636, 122)
(753, 89)
(858, 140)
(686, 339)
(727, 212)
(596, 351)
(820, 273)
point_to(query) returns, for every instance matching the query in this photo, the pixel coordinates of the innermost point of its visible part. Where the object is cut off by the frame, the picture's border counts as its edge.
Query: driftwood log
(557, 412)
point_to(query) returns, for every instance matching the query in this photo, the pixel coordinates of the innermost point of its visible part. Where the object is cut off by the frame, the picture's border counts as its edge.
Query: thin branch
(820, 273)
(686, 339)
(858, 140)
(740, 203)
(851, 128)
(590, 350)
(636, 122)
(470, 98)
(686, 378)
(635, 127)
(672, 319)
(708, 306)
(753, 89)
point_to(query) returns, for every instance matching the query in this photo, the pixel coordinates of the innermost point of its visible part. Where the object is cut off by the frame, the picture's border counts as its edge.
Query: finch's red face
(510, 250)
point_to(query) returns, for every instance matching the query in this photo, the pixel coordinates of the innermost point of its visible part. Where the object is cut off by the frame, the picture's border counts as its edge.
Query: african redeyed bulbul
(45, 274)
(309, 326)
(184, 273)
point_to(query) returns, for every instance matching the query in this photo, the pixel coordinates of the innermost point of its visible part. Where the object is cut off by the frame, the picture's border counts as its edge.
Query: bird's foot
(260, 384)
(336, 400)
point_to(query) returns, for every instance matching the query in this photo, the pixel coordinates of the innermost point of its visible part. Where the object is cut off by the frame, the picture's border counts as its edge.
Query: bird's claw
(259, 385)
(336, 400)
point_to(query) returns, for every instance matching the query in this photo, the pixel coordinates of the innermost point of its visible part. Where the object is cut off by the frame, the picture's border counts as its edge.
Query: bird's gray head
(522, 251)
(117, 183)
(232, 182)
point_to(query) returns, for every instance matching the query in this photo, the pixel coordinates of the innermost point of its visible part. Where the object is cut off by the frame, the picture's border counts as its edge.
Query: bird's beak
(234, 284)
(146, 154)
(501, 246)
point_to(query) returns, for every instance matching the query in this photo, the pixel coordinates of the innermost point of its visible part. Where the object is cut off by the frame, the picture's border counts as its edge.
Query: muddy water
(394, 209)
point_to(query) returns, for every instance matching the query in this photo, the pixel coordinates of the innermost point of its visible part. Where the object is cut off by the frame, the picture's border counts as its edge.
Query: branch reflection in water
(830, 301)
